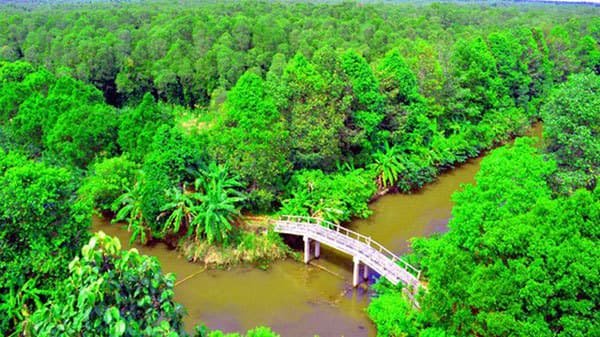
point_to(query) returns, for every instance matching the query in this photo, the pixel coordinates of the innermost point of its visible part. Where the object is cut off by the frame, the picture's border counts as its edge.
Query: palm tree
(181, 210)
(129, 206)
(219, 203)
(220, 173)
(388, 165)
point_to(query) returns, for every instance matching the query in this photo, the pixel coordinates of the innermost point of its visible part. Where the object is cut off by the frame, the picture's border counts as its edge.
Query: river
(298, 300)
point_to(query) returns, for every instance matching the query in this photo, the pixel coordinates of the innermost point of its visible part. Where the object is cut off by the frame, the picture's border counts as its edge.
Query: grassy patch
(259, 248)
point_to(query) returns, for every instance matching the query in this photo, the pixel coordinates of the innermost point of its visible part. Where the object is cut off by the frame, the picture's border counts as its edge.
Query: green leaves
(253, 140)
(110, 315)
(512, 260)
(572, 130)
(65, 119)
(393, 315)
(478, 83)
(137, 127)
(108, 180)
(180, 210)
(42, 228)
(119, 329)
(397, 80)
(218, 206)
(129, 209)
(334, 197)
(388, 165)
(113, 293)
(314, 119)
(368, 104)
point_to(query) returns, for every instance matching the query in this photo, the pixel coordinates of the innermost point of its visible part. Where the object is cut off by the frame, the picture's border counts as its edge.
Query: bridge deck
(368, 251)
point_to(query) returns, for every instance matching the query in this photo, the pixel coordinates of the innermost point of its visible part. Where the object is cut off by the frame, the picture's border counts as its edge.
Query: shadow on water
(303, 300)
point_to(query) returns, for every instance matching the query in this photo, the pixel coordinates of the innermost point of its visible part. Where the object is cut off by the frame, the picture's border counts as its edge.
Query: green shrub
(335, 197)
(108, 180)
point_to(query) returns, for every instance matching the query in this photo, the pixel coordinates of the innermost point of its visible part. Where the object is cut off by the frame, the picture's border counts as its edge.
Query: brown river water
(298, 300)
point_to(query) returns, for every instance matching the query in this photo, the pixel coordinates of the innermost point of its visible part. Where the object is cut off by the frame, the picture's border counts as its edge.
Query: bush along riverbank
(171, 191)
(519, 258)
(259, 248)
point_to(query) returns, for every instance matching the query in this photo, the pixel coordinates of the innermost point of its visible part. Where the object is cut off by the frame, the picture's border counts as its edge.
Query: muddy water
(299, 300)
(292, 298)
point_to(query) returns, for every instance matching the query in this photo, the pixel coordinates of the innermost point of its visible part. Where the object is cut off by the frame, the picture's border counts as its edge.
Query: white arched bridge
(363, 250)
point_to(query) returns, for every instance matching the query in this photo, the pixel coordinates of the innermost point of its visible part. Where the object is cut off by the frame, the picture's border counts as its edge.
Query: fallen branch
(189, 277)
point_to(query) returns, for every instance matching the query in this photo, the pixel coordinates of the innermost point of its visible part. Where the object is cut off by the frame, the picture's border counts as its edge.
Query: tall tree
(561, 53)
(368, 104)
(588, 54)
(253, 139)
(515, 261)
(42, 226)
(314, 123)
(397, 80)
(513, 73)
(138, 126)
(477, 83)
(572, 131)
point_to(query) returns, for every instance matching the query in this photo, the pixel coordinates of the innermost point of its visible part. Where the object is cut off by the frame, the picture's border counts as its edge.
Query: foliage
(62, 118)
(314, 120)
(172, 160)
(137, 127)
(397, 80)
(108, 180)
(129, 208)
(14, 90)
(588, 54)
(284, 95)
(179, 211)
(82, 133)
(252, 139)
(183, 53)
(572, 131)
(111, 292)
(559, 40)
(513, 72)
(42, 225)
(392, 313)
(336, 197)
(512, 261)
(218, 206)
(206, 211)
(478, 83)
(388, 166)
(367, 104)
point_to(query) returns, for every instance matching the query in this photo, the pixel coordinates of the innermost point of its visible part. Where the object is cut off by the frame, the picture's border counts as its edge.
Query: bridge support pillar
(365, 272)
(317, 249)
(306, 249)
(355, 274)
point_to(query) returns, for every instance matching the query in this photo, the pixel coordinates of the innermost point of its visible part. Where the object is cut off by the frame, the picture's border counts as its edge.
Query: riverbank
(296, 299)
(260, 248)
(257, 245)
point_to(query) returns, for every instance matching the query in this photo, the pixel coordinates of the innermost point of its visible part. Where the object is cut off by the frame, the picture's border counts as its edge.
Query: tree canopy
(516, 261)
(572, 131)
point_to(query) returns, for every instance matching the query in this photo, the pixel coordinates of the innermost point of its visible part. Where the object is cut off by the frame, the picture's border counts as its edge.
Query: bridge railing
(354, 235)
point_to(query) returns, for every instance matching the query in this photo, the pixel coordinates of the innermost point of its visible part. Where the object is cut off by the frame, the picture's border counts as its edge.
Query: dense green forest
(178, 118)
